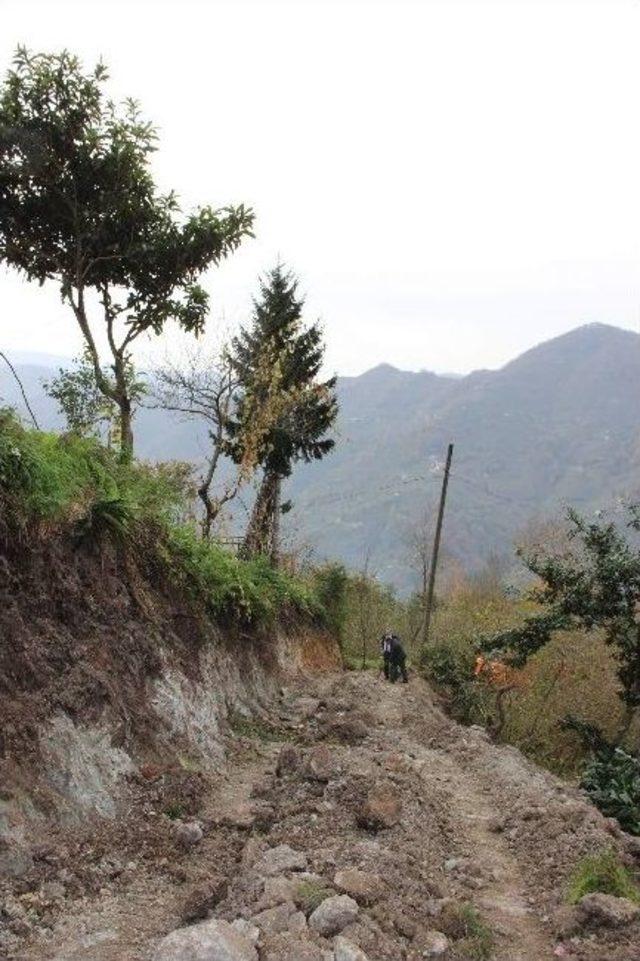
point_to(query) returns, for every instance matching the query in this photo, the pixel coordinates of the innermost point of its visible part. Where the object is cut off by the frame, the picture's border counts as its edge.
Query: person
(385, 650)
(398, 661)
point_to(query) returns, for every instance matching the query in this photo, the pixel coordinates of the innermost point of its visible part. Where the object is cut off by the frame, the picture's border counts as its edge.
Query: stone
(382, 807)
(318, 765)
(306, 707)
(606, 910)
(363, 887)
(201, 899)
(278, 890)
(189, 833)
(279, 860)
(247, 930)
(333, 915)
(283, 948)
(252, 851)
(434, 944)
(345, 950)
(566, 922)
(282, 918)
(209, 941)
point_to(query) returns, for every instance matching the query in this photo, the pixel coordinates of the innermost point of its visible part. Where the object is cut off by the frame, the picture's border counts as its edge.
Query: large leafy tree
(593, 586)
(78, 205)
(303, 406)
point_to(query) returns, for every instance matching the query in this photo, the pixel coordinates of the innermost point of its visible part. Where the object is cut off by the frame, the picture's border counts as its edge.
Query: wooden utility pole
(436, 547)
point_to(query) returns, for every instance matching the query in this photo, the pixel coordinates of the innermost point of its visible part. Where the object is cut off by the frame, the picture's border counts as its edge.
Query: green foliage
(311, 894)
(330, 584)
(107, 515)
(594, 587)
(250, 590)
(175, 810)
(612, 781)
(81, 402)
(278, 331)
(450, 667)
(79, 206)
(603, 873)
(477, 942)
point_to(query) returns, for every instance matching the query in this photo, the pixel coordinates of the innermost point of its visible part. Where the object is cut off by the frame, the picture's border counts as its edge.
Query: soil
(467, 822)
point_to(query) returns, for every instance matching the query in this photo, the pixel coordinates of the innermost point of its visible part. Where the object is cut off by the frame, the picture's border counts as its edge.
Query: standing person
(398, 661)
(385, 650)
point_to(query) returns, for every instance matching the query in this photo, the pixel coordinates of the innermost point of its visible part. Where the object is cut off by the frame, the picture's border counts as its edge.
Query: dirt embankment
(109, 678)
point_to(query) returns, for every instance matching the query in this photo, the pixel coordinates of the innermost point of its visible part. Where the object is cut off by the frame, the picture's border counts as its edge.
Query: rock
(209, 941)
(202, 899)
(566, 922)
(363, 887)
(282, 918)
(382, 807)
(282, 948)
(607, 911)
(333, 915)
(345, 950)
(306, 707)
(348, 730)
(252, 851)
(289, 760)
(405, 926)
(453, 864)
(318, 765)
(279, 860)
(434, 944)
(189, 833)
(278, 890)
(247, 930)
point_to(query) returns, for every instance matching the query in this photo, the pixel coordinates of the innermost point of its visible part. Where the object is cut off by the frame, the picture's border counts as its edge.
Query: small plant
(477, 942)
(111, 516)
(175, 810)
(255, 729)
(602, 873)
(612, 781)
(311, 894)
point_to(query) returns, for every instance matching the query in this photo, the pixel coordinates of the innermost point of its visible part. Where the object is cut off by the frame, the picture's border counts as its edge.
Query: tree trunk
(126, 430)
(259, 536)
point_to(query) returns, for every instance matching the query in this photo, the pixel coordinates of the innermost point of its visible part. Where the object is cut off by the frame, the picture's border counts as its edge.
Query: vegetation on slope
(75, 486)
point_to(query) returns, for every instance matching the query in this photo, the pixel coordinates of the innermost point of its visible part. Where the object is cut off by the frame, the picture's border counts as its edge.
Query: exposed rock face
(333, 915)
(607, 910)
(210, 941)
(382, 807)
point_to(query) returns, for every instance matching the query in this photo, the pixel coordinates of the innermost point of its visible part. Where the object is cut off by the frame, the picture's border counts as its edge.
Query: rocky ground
(355, 822)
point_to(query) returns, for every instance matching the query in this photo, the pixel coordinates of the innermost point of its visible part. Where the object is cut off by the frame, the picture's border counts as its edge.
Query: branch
(22, 390)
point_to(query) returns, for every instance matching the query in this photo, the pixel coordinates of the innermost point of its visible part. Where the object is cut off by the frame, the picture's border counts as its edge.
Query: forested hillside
(557, 425)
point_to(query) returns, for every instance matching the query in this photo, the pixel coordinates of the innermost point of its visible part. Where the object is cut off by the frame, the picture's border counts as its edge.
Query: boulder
(282, 918)
(363, 887)
(283, 948)
(209, 941)
(279, 860)
(382, 807)
(319, 765)
(247, 930)
(344, 950)
(278, 890)
(333, 915)
(289, 760)
(607, 911)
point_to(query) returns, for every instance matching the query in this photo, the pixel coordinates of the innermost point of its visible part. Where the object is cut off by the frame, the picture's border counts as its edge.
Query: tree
(205, 387)
(596, 587)
(304, 407)
(85, 408)
(79, 206)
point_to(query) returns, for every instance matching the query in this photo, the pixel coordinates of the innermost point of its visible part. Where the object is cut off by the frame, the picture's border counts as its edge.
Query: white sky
(452, 181)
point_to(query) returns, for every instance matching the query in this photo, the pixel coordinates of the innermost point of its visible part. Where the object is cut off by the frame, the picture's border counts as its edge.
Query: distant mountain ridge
(559, 424)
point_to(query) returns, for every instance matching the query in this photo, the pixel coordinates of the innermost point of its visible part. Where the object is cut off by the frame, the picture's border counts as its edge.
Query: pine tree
(278, 361)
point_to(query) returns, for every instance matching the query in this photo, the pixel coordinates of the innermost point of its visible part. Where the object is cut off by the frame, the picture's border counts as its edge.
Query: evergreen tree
(302, 407)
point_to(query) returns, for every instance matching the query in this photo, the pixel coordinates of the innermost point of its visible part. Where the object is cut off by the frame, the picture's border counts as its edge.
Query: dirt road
(450, 844)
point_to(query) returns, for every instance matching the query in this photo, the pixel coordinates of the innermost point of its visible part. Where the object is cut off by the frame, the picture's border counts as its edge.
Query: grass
(311, 894)
(74, 485)
(256, 729)
(602, 872)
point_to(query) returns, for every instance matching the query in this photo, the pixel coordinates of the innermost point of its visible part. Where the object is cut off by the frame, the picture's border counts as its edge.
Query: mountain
(558, 425)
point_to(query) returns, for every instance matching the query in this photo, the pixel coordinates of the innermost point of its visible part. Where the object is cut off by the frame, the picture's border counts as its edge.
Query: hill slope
(558, 424)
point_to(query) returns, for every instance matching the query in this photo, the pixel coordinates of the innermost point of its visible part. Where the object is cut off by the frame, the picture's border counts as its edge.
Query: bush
(612, 781)
(602, 873)
(330, 584)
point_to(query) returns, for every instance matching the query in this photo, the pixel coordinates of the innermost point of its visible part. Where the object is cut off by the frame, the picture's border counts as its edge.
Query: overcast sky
(452, 181)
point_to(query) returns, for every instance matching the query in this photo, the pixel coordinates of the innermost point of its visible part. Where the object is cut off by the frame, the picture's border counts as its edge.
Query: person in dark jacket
(385, 650)
(398, 658)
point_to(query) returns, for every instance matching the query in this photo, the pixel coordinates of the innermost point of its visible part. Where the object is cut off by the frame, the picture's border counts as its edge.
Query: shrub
(612, 781)
(603, 873)
(330, 584)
